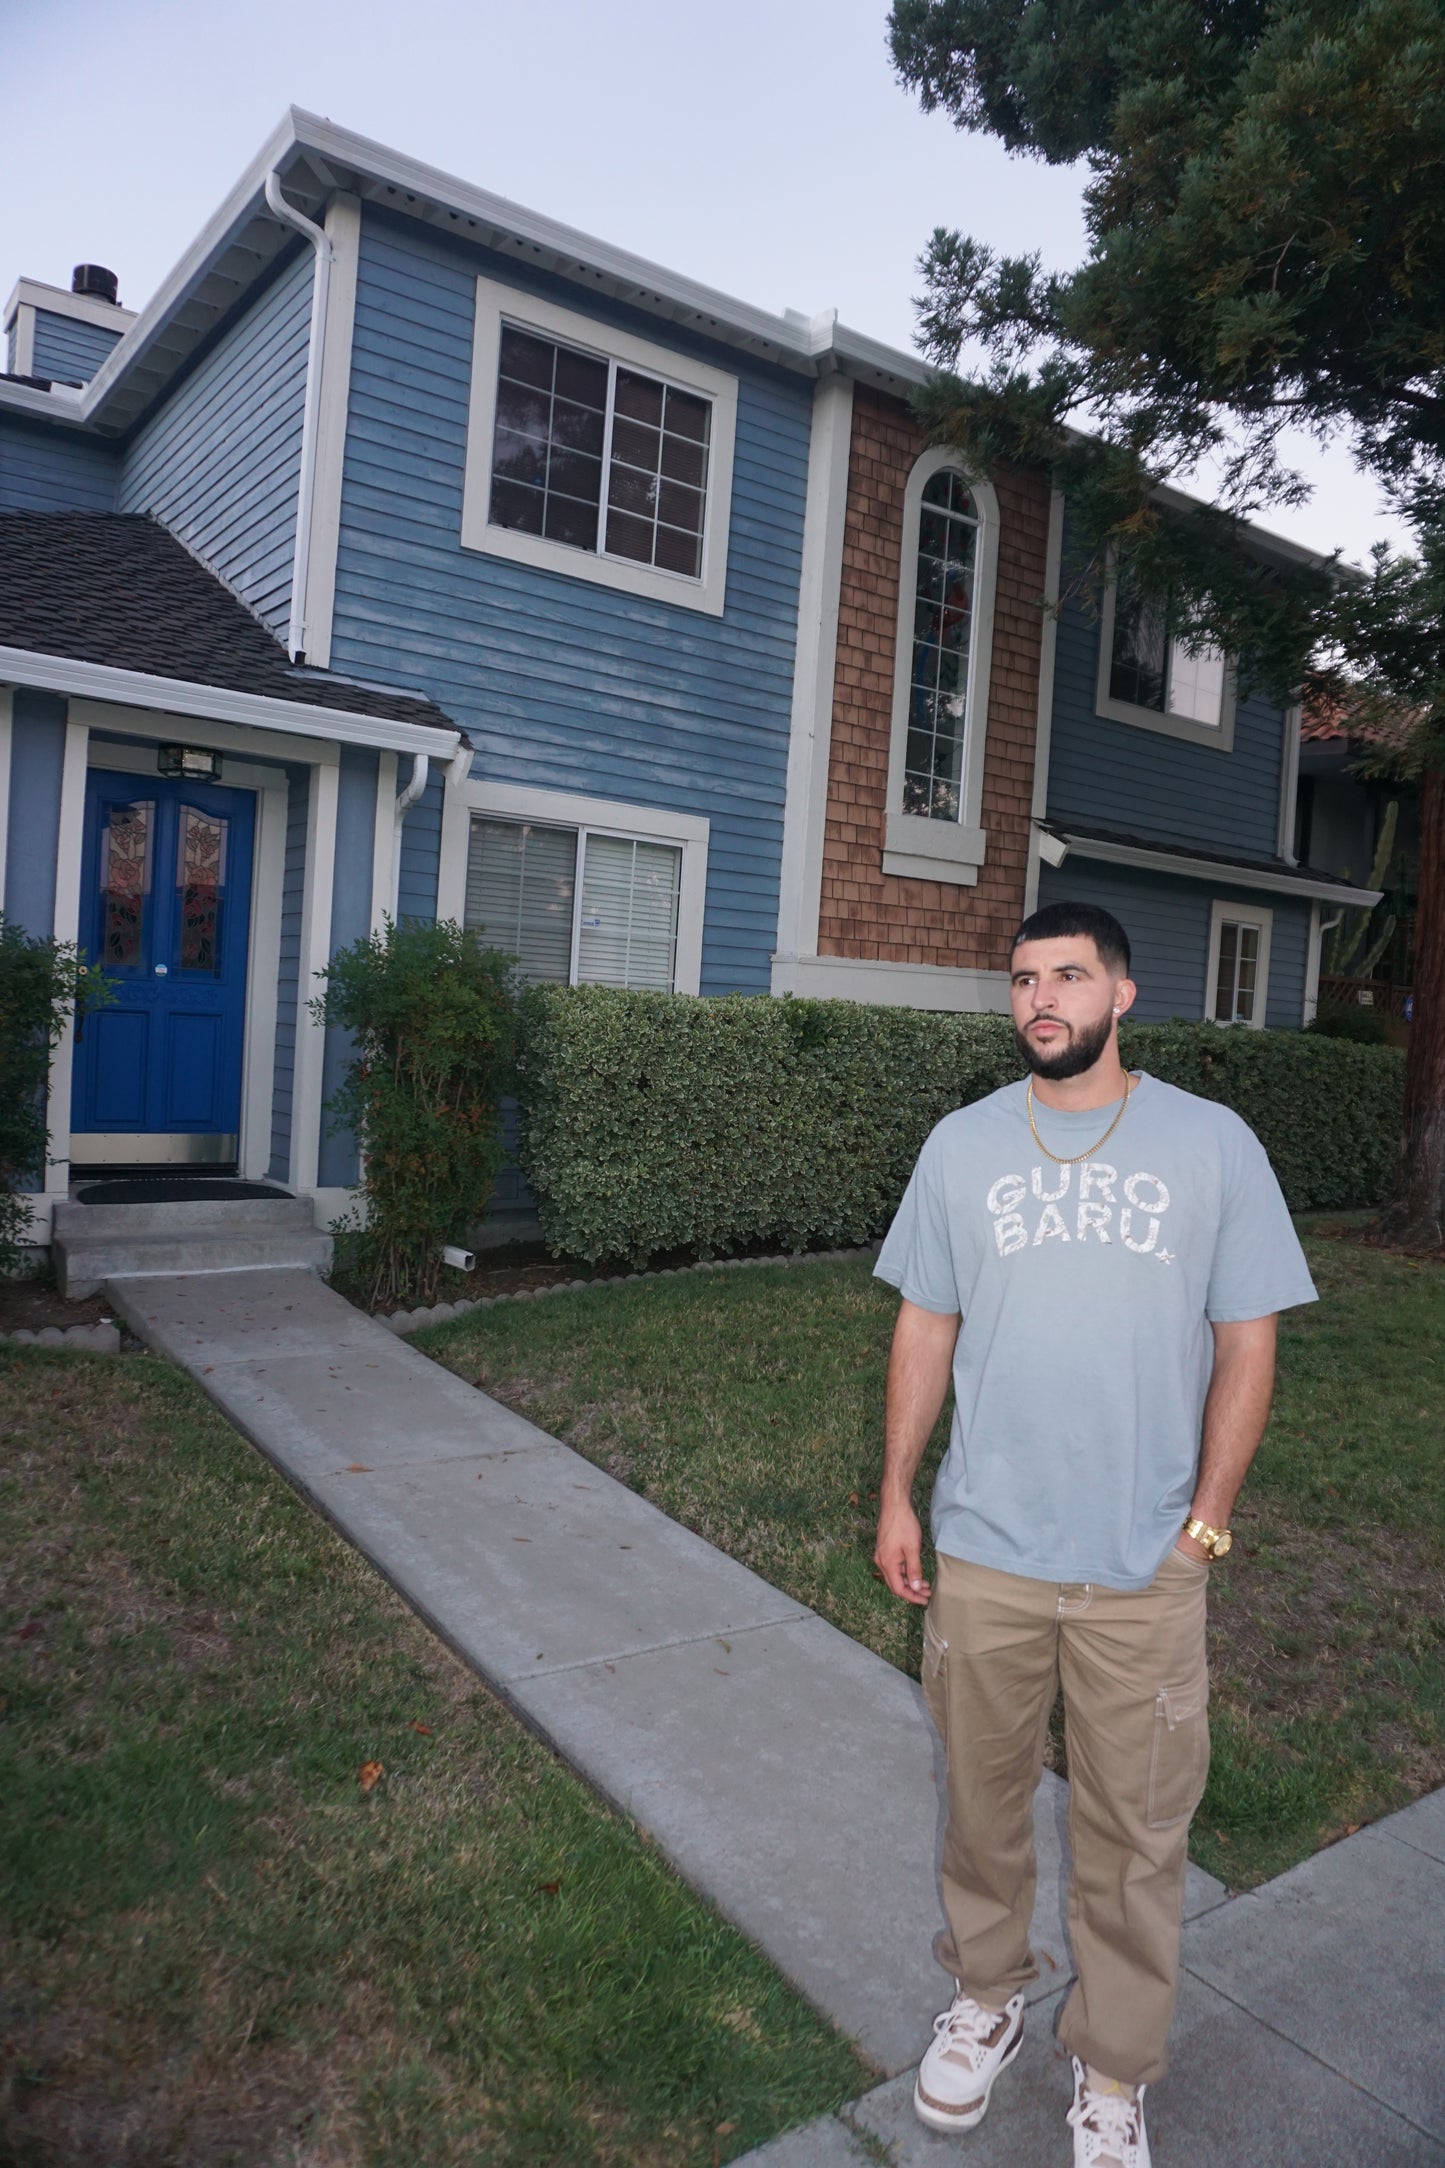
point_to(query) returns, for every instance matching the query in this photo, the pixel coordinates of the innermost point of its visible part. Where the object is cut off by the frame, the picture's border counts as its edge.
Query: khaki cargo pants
(1132, 1665)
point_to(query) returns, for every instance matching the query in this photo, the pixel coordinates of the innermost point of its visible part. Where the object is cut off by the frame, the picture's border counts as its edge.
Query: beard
(1070, 1056)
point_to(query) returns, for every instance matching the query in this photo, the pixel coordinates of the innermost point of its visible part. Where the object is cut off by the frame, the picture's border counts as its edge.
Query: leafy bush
(432, 1018)
(655, 1122)
(1347, 1020)
(41, 983)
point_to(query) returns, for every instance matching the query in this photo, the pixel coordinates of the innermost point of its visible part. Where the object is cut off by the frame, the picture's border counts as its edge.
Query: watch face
(1223, 1542)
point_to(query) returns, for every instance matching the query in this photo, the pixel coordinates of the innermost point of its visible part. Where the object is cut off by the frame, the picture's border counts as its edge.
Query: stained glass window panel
(201, 879)
(125, 882)
(942, 629)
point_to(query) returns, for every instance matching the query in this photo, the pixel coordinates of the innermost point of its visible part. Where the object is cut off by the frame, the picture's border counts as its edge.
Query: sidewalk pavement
(791, 1775)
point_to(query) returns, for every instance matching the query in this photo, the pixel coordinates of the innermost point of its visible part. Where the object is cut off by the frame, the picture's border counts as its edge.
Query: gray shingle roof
(114, 589)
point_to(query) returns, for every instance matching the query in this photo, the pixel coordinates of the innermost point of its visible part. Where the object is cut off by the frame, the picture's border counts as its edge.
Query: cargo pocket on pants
(1179, 1763)
(935, 1691)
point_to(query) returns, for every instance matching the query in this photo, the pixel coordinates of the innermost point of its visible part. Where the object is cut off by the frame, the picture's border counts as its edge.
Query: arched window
(942, 631)
(941, 673)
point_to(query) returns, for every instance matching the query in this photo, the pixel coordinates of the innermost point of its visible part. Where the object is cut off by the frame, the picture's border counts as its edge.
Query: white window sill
(618, 573)
(924, 850)
(1218, 736)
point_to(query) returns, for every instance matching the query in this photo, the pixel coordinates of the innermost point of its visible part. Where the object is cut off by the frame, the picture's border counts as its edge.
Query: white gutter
(21, 666)
(1223, 876)
(310, 422)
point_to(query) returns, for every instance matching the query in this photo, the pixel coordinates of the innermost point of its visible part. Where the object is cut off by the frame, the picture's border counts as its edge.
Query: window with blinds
(522, 883)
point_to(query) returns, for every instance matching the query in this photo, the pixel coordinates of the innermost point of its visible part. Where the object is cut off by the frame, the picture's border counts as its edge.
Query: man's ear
(1124, 994)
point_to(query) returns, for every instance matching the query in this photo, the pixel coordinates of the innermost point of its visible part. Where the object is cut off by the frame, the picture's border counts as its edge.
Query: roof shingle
(119, 590)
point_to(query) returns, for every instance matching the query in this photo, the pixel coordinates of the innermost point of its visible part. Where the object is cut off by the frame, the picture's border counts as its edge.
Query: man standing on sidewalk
(1097, 1260)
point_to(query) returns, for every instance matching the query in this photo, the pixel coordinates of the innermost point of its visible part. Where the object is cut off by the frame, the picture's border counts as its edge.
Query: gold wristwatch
(1216, 1541)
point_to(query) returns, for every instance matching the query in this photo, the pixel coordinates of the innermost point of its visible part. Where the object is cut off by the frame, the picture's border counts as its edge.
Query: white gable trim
(139, 689)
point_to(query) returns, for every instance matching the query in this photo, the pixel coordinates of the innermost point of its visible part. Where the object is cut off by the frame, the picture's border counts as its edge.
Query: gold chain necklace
(1074, 1157)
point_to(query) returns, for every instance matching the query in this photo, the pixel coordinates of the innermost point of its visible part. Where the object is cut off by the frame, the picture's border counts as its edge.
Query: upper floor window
(942, 624)
(941, 673)
(569, 423)
(597, 454)
(1149, 676)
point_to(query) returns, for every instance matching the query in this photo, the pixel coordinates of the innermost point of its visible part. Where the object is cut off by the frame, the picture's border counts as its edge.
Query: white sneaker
(1108, 2126)
(971, 2045)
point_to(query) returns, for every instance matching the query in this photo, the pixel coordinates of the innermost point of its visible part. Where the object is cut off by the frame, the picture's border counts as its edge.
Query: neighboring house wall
(1135, 781)
(864, 912)
(47, 469)
(218, 462)
(69, 352)
(1168, 923)
(37, 754)
(561, 683)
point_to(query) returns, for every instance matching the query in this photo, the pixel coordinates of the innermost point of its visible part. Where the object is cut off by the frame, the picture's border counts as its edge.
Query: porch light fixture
(197, 763)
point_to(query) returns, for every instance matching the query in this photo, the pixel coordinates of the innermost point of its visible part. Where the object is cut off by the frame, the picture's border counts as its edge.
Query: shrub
(656, 1122)
(1347, 1020)
(41, 982)
(432, 1020)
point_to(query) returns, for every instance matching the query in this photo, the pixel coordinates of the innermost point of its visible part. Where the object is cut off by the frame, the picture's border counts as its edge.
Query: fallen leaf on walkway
(424, 1729)
(357, 1467)
(721, 1673)
(369, 1775)
(521, 1539)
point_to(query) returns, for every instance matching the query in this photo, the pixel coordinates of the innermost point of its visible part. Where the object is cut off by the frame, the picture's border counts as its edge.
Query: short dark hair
(1056, 921)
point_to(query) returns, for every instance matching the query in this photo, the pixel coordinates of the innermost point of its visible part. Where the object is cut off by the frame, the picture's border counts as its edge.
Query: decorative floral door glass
(126, 881)
(201, 878)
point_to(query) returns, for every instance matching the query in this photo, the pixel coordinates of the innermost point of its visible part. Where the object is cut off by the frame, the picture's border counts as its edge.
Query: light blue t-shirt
(1087, 1294)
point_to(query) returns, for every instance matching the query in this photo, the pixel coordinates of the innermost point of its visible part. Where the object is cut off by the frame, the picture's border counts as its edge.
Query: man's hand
(1190, 1546)
(899, 1553)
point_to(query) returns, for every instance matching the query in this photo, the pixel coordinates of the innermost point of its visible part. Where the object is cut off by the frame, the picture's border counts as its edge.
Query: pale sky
(765, 148)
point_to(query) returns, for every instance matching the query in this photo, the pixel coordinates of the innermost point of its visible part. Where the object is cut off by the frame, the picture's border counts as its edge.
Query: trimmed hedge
(660, 1122)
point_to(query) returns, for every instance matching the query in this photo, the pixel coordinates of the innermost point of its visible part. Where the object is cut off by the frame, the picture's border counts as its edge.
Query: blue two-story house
(410, 554)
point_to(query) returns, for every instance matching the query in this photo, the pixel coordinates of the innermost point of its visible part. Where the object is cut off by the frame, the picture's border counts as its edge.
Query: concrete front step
(95, 1244)
(181, 1216)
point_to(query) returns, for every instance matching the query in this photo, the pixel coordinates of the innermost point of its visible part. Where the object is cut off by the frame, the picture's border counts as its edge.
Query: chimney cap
(94, 279)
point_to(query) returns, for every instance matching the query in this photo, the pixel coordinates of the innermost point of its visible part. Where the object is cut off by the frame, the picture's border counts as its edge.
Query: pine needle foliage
(432, 1022)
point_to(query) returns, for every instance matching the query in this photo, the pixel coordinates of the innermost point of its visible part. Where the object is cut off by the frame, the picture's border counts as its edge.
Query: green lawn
(219, 1948)
(748, 1404)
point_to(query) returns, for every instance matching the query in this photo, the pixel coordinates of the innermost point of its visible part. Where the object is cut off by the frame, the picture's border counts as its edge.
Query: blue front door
(165, 910)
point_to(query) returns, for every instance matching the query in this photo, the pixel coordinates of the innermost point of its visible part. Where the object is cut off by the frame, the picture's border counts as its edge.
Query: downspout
(458, 769)
(311, 417)
(405, 800)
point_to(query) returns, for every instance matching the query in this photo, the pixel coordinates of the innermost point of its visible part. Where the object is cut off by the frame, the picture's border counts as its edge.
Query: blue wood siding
(1167, 922)
(218, 463)
(288, 977)
(350, 921)
(44, 468)
(37, 758)
(421, 852)
(69, 352)
(1134, 781)
(561, 684)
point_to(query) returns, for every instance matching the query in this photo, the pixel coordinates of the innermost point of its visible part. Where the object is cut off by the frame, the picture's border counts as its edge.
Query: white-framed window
(1237, 987)
(1149, 677)
(941, 673)
(597, 454)
(583, 891)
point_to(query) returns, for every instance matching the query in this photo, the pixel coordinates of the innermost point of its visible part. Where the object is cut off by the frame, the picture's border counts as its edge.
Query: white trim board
(65, 925)
(1210, 869)
(60, 301)
(894, 986)
(915, 847)
(498, 305)
(1240, 914)
(1044, 724)
(306, 1074)
(810, 736)
(1288, 784)
(318, 604)
(139, 689)
(689, 832)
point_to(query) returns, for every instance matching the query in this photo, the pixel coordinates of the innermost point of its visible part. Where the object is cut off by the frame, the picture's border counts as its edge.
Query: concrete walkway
(790, 1774)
